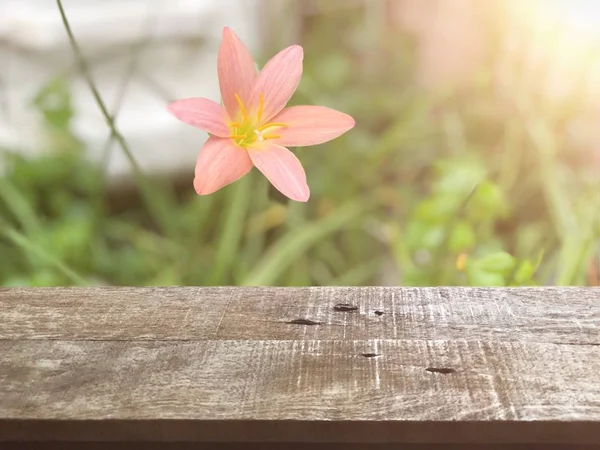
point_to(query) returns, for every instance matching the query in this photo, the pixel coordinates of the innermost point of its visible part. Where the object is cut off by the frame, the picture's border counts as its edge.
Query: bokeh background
(475, 159)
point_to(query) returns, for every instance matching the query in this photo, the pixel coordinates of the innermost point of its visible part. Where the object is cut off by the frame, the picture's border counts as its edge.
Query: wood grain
(120, 313)
(435, 365)
(558, 315)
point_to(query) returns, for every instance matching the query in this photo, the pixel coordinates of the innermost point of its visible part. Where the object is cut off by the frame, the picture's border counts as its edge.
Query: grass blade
(21, 241)
(295, 242)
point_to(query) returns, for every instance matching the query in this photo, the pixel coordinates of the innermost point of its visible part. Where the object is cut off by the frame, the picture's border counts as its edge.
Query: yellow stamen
(242, 109)
(261, 104)
(247, 131)
(269, 125)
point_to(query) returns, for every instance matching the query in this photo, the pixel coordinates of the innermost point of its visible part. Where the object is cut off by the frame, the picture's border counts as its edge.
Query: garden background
(475, 159)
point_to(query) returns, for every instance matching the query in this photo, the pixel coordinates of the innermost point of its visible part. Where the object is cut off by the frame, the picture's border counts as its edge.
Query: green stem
(232, 232)
(256, 242)
(154, 200)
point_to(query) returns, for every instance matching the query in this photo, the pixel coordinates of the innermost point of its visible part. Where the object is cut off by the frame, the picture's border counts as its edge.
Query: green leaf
(54, 102)
(488, 202)
(458, 176)
(479, 277)
(462, 237)
(437, 209)
(499, 262)
(422, 235)
(524, 273)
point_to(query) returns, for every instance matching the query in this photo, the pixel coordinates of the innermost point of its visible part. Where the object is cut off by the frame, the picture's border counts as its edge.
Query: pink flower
(253, 127)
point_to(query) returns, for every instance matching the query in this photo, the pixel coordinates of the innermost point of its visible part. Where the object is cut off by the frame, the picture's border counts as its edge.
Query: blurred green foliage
(436, 190)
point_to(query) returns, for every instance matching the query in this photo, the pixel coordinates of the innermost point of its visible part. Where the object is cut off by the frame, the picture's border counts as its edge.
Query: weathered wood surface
(370, 365)
(551, 315)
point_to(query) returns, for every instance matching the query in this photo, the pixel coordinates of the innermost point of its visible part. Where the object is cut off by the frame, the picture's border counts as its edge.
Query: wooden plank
(559, 315)
(300, 391)
(303, 365)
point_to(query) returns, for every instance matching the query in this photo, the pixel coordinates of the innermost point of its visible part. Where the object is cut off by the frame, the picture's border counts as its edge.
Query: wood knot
(444, 370)
(344, 307)
(303, 322)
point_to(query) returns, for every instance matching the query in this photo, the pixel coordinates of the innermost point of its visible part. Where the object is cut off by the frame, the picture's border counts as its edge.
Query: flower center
(250, 129)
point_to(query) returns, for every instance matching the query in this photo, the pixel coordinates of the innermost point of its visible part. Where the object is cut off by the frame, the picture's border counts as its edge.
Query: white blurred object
(158, 141)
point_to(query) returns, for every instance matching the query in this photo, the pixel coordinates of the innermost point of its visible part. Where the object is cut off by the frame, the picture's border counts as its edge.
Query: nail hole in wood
(344, 307)
(379, 313)
(370, 355)
(444, 370)
(303, 322)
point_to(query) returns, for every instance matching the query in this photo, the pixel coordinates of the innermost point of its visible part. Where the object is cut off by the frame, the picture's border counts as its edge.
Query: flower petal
(220, 163)
(311, 125)
(201, 113)
(277, 82)
(282, 169)
(236, 69)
